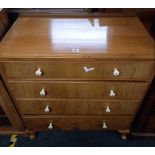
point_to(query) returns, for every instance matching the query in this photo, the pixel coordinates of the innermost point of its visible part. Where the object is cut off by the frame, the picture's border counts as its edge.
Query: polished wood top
(106, 37)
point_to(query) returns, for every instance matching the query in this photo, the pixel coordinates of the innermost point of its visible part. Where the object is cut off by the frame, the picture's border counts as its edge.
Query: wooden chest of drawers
(77, 73)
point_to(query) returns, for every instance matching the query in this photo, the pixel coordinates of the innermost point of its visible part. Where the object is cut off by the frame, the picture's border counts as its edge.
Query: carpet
(77, 139)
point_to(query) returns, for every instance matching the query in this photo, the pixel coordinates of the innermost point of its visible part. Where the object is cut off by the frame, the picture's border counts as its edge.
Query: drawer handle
(116, 72)
(104, 125)
(42, 92)
(112, 93)
(38, 72)
(50, 126)
(47, 109)
(88, 69)
(108, 110)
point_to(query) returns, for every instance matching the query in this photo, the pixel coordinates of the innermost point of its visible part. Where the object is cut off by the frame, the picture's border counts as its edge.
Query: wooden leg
(32, 136)
(123, 133)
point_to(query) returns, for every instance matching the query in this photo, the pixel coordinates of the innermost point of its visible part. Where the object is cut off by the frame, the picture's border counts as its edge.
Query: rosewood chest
(77, 73)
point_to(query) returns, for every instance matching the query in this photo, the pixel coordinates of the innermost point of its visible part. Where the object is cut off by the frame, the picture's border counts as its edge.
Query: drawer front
(77, 107)
(77, 90)
(87, 70)
(77, 122)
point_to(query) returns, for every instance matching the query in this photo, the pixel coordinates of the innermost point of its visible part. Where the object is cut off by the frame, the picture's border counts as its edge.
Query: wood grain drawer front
(78, 107)
(77, 122)
(114, 71)
(77, 90)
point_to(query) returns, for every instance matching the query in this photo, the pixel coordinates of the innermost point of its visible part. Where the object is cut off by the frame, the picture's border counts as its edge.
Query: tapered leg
(32, 135)
(123, 133)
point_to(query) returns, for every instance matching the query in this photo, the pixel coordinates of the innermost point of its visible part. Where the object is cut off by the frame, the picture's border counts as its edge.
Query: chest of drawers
(77, 73)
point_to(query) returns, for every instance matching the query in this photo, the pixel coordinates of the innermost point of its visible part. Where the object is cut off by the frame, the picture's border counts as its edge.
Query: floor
(76, 138)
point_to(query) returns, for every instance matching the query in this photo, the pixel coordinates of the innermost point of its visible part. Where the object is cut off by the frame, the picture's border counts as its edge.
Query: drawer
(77, 90)
(78, 70)
(77, 107)
(77, 122)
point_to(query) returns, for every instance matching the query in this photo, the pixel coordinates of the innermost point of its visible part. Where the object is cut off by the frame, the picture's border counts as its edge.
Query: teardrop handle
(38, 72)
(50, 126)
(116, 72)
(42, 92)
(47, 109)
(112, 93)
(108, 110)
(104, 125)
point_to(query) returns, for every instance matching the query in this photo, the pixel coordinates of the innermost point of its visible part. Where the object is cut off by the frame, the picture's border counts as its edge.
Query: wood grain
(4, 23)
(61, 47)
(108, 38)
(77, 122)
(75, 70)
(77, 107)
(77, 90)
(9, 109)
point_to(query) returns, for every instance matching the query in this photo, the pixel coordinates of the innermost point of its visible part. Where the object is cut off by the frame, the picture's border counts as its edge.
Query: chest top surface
(103, 37)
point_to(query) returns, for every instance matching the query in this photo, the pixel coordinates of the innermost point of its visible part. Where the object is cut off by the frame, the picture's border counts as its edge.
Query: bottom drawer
(77, 122)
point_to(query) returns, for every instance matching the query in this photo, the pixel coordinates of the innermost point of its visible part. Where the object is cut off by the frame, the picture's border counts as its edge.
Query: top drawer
(78, 70)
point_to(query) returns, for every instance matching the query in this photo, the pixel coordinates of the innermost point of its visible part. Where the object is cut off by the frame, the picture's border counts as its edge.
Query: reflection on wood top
(106, 37)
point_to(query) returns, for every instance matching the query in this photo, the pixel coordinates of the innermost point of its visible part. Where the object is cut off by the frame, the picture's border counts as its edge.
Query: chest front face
(77, 73)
